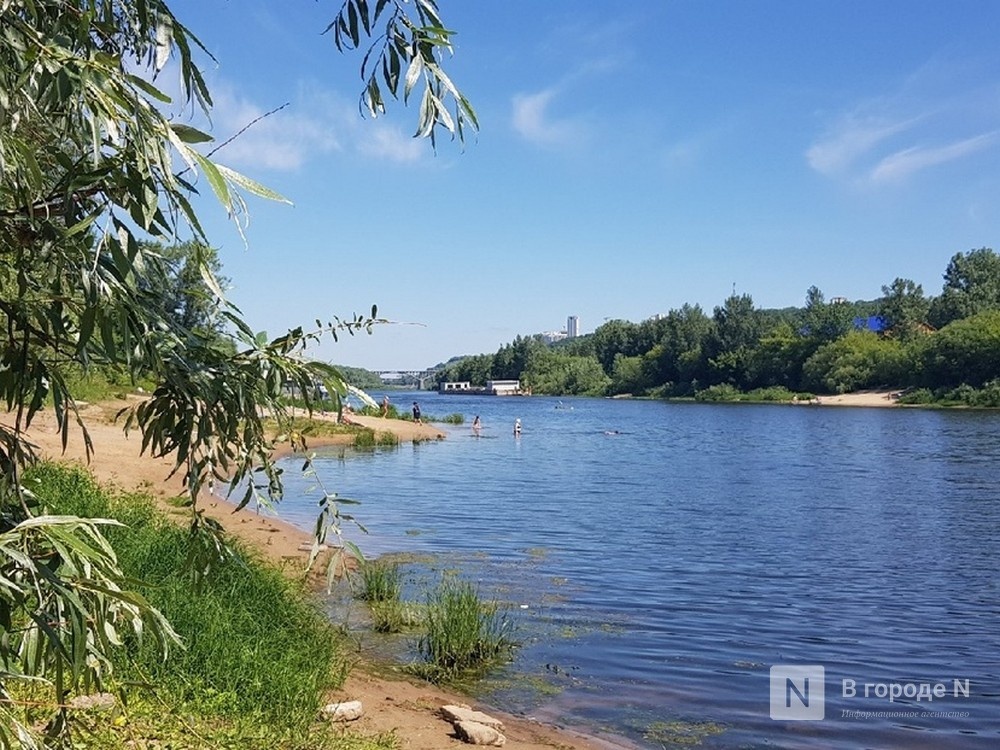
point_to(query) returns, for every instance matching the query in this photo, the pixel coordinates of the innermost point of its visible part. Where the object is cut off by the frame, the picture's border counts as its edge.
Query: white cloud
(384, 142)
(315, 123)
(885, 139)
(532, 120)
(283, 141)
(900, 165)
(850, 140)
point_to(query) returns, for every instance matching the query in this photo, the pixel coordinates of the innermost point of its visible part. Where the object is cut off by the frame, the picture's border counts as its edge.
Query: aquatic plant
(380, 581)
(463, 633)
(368, 438)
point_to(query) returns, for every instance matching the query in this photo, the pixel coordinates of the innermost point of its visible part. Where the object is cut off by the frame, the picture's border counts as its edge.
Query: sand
(861, 398)
(408, 707)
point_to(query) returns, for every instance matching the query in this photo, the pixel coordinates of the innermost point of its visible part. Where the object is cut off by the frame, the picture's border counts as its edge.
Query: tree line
(939, 347)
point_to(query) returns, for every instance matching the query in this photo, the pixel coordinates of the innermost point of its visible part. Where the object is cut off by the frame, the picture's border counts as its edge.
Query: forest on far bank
(942, 348)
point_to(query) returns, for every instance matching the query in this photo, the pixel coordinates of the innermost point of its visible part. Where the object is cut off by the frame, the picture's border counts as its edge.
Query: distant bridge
(416, 378)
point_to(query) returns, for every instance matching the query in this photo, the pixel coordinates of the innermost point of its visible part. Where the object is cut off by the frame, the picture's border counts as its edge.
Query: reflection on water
(660, 558)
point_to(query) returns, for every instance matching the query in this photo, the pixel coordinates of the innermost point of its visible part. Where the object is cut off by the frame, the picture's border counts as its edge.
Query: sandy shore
(410, 708)
(861, 398)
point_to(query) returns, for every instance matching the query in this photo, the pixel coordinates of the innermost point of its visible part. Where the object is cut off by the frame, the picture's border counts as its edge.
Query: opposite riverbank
(410, 709)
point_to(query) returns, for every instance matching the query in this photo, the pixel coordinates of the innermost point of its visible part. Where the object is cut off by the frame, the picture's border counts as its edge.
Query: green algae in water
(679, 733)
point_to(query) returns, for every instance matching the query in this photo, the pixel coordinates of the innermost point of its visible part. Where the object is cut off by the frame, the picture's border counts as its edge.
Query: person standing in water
(476, 425)
(517, 427)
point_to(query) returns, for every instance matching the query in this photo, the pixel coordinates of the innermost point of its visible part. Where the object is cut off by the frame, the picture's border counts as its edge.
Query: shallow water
(658, 572)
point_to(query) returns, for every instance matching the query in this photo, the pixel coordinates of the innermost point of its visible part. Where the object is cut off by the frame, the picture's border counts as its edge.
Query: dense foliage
(826, 346)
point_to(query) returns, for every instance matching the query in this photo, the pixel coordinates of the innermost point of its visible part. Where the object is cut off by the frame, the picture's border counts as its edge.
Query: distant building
(572, 327)
(873, 323)
(503, 387)
(492, 388)
(551, 337)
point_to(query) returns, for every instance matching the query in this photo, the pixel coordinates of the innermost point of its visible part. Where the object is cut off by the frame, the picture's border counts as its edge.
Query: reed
(381, 581)
(368, 438)
(463, 634)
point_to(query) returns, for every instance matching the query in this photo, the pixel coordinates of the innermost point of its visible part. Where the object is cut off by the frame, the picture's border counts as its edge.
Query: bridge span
(417, 378)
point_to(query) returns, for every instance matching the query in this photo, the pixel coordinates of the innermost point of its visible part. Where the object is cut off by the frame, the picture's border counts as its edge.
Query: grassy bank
(258, 656)
(729, 393)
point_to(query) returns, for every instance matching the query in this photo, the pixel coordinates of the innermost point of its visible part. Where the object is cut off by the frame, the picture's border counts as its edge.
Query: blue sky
(632, 157)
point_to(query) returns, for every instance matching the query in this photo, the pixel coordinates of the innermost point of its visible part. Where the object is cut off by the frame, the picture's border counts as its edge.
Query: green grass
(464, 635)
(103, 383)
(381, 586)
(368, 438)
(380, 580)
(314, 427)
(724, 392)
(257, 651)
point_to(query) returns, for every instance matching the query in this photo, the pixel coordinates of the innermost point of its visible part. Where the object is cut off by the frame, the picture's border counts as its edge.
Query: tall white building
(572, 327)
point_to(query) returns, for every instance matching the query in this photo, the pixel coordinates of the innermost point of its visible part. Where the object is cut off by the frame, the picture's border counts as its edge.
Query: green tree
(561, 374)
(965, 351)
(826, 321)
(613, 338)
(475, 369)
(91, 166)
(512, 359)
(677, 357)
(904, 307)
(629, 375)
(738, 328)
(971, 286)
(779, 357)
(187, 299)
(859, 359)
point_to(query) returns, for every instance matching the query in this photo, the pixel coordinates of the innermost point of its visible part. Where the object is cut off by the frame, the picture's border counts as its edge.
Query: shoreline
(407, 707)
(391, 704)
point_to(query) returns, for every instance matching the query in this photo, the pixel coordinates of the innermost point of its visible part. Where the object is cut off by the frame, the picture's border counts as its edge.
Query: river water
(660, 559)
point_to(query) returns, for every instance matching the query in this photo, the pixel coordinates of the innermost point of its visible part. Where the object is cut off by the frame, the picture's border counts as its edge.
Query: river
(667, 563)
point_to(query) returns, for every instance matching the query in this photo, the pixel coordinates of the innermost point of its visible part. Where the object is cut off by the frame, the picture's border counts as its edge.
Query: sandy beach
(408, 707)
(883, 397)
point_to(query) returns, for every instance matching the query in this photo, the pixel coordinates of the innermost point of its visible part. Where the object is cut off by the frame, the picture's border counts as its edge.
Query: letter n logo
(798, 692)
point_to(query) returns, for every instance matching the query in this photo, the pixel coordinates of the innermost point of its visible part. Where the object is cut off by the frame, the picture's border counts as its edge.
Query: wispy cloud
(929, 120)
(533, 120)
(283, 141)
(392, 144)
(851, 139)
(902, 164)
(316, 123)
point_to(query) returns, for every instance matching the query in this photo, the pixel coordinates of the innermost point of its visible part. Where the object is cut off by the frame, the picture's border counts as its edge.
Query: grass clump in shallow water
(463, 634)
(366, 438)
(381, 581)
(381, 586)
